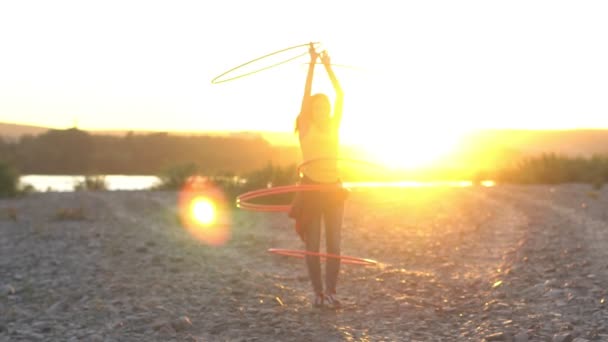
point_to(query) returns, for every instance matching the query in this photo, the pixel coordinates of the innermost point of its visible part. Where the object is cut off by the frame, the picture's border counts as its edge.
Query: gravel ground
(506, 263)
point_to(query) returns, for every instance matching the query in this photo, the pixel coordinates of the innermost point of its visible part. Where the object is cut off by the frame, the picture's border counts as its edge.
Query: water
(63, 183)
(418, 184)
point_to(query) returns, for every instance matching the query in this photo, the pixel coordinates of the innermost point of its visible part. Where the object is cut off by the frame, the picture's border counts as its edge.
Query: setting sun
(408, 148)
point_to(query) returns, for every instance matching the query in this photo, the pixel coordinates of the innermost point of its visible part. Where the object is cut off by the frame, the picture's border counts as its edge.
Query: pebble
(499, 336)
(563, 337)
(7, 290)
(181, 324)
(30, 335)
(521, 336)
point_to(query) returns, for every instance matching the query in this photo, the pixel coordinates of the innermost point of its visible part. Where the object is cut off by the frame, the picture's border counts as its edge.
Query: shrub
(269, 176)
(93, 183)
(175, 177)
(554, 169)
(9, 179)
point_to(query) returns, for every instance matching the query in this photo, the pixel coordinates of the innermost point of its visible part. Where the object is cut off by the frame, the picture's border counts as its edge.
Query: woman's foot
(332, 301)
(319, 300)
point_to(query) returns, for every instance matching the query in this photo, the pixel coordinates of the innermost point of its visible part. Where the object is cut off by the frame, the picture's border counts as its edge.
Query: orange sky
(420, 66)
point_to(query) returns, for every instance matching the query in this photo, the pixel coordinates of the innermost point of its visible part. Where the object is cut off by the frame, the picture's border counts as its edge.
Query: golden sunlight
(202, 210)
(405, 146)
(378, 121)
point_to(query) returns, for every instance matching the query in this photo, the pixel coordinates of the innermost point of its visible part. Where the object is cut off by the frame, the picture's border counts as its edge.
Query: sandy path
(462, 264)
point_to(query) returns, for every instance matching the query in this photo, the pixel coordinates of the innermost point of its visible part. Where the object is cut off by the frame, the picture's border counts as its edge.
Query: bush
(555, 169)
(9, 179)
(175, 177)
(92, 183)
(25, 189)
(269, 176)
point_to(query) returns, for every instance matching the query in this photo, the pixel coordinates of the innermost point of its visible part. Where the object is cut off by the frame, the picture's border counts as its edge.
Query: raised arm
(308, 85)
(337, 88)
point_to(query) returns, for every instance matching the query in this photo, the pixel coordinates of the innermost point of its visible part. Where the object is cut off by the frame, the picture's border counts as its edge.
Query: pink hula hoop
(345, 259)
(242, 200)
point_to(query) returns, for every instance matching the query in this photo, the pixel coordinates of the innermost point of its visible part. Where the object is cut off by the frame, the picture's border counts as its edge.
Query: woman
(318, 135)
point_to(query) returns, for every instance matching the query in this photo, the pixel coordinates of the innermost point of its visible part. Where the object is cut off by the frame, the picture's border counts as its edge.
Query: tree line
(174, 158)
(74, 151)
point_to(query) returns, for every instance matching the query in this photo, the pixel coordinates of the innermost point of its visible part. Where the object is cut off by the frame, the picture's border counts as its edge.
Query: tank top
(320, 144)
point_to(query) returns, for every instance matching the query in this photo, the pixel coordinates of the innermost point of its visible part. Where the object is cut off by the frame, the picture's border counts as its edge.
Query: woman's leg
(313, 262)
(333, 234)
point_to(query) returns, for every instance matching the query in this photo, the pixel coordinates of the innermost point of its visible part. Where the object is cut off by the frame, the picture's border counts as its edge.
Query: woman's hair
(306, 116)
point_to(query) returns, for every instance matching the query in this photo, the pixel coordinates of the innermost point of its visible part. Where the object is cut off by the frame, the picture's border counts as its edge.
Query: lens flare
(204, 212)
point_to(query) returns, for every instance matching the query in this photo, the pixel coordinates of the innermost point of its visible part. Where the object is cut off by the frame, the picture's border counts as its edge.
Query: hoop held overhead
(218, 79)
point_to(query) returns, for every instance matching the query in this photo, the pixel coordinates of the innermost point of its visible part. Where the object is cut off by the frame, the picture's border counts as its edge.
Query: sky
(407, 67)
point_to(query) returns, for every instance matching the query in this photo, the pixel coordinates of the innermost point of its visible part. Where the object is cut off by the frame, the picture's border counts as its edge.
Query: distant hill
(14, 131)
(563, 142)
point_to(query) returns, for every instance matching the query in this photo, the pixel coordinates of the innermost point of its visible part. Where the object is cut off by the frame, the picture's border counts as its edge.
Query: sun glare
(379, 121)
(405, 146)
(203, 210)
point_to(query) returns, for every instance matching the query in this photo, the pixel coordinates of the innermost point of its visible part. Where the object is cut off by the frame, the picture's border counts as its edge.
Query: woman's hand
(313, 53)
(325, 58)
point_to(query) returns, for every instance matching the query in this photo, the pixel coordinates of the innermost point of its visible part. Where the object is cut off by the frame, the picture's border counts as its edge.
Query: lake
(64, 183)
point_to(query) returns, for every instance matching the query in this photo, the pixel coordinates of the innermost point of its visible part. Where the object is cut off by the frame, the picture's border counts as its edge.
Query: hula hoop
(343, 258)
(311, 161)
(241, 200)
(217, 80)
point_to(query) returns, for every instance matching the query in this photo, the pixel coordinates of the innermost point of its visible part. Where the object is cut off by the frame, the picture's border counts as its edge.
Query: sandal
(332, 301)
(319, 300)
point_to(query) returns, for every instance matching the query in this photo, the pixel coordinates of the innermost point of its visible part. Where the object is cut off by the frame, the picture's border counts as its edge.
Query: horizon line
(116, 129)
